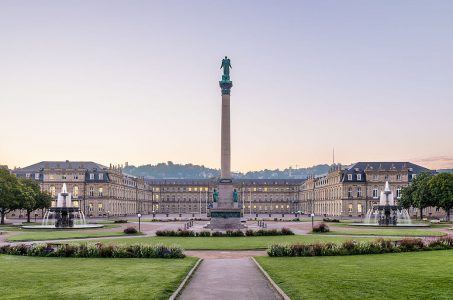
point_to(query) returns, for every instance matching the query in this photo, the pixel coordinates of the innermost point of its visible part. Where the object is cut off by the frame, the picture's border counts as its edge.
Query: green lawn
(60, 235)
(229, 243)
(384, 231)
(416, 275)
(90, 278)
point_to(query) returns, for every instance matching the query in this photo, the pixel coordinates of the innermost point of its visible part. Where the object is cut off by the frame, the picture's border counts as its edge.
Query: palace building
(255, 196)
(352, 190)
(102, 191)
(98, 190)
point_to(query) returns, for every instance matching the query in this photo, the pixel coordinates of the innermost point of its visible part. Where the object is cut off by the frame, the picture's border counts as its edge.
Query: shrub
(120, 221)
(333, 220)
(277, 250)
(442, 243)
(249, 232)
(320, 228)
(408, 244)
(130, 230)
(228, 233)
(185, 233)
(234, 233)
(353, 247)
(204, 233)
(286, 231)
(96, 250)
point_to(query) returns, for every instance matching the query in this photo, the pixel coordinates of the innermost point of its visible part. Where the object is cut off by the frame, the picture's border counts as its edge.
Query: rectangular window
(398, 193)
(27, 175)
(359, 176)
(398, 177)
(359, 192)
(100, 192)
(91, 176)
(375, 177)
(101, 176)
(359, 208)
(349, 177)
(350, 208)
(36, 176)
(375, 193)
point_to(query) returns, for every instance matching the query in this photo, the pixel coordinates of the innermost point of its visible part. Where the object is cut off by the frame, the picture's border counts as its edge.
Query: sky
(137, 81)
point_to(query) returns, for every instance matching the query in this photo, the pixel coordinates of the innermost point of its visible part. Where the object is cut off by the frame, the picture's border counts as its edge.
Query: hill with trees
(190, 171)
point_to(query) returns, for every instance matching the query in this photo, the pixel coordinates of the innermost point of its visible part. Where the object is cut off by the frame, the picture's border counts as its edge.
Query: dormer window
(349, 177)
(359, 176)
(101, 176)
(36, 176)
(91, 176)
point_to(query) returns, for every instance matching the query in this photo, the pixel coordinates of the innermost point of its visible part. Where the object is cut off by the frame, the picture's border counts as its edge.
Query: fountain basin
(78, 226)
(399, 225)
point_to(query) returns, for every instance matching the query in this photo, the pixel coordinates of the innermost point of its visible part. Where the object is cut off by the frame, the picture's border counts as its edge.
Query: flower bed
(353, 247)
(228, 233)
(94, 250)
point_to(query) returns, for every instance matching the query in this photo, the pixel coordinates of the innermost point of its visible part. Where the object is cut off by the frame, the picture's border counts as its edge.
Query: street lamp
(312, 215)
(139, 217)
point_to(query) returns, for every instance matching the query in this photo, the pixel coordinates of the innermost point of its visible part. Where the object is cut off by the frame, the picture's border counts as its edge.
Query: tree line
(20, 193)
(428, 190)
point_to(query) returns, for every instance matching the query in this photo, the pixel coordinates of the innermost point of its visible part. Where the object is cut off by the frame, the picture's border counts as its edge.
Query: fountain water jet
(387, 213)
(64, 215)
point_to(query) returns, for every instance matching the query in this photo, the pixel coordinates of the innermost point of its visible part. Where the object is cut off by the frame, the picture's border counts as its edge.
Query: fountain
(388, 213)
(63, 215)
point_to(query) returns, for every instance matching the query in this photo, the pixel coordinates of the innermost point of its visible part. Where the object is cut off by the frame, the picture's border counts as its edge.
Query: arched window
(52, 191)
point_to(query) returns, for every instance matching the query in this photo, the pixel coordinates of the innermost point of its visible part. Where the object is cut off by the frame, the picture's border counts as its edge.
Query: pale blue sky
(137, 81)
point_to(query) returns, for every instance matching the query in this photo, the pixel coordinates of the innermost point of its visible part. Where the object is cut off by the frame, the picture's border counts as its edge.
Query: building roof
(388, 166)
(363, 166)
(89, 165)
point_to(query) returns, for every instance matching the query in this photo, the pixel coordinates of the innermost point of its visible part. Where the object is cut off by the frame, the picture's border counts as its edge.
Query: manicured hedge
(228, 233)
(353, 247)
(130, 230)
(333, 220)
(94, 250)
(322, 227)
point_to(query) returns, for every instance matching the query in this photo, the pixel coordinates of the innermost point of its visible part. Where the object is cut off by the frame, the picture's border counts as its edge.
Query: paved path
(228, 275)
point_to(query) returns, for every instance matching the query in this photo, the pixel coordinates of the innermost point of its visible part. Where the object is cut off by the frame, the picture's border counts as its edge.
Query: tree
(30, 191)
(441, 187)
(407, 197)
(418, 193)
(9, 193)
(422, 194)
(43, 201)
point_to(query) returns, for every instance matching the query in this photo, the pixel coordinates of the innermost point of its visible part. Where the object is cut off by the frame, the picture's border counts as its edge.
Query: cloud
(435, 162)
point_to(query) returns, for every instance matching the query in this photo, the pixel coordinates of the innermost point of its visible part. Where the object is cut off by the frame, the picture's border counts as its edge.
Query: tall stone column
(225, 212)
(225, 171)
